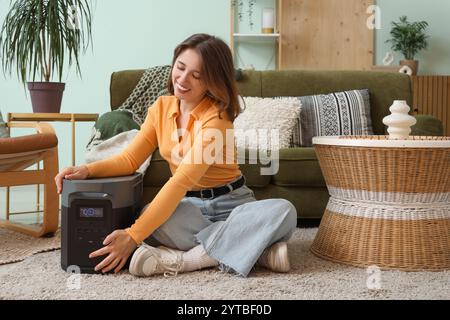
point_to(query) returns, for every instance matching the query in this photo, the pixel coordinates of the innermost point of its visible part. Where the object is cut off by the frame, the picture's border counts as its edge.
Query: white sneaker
(275, 258)
(147, 261)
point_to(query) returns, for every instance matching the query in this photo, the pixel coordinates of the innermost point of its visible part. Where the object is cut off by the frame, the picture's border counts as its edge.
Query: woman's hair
(217, 71)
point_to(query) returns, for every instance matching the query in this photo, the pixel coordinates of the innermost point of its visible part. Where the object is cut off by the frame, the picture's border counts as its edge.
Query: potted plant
(37, 38)
(409, 38)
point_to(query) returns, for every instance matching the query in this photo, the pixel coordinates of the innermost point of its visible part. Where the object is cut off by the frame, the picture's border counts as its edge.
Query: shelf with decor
(255, 37)
(270, 30)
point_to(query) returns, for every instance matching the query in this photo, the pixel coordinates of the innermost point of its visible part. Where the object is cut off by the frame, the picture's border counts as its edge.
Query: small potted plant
(409, 38)
(37, 38)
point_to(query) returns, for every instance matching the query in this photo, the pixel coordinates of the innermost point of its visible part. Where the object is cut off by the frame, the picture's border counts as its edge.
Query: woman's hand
(71, 173)
(119, 246)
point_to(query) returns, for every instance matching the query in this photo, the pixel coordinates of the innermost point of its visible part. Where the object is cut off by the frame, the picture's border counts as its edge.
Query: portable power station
(90, 210)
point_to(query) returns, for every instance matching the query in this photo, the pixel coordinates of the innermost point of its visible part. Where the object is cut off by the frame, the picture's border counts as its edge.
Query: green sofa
(299, 178)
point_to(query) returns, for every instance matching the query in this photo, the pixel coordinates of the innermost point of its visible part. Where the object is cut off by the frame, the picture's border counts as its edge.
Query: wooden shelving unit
(256, 36)
(317, 35)
(326, 35)
(260, 37)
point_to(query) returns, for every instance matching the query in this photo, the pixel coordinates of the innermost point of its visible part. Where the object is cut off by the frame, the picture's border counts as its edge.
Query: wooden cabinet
(327, 35)
(431, 95)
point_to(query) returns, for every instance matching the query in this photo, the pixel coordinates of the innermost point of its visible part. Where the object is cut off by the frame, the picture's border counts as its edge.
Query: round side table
(389, 202)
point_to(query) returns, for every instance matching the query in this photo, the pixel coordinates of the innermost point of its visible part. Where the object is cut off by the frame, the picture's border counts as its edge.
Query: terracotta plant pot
(46, 96)
(413, 64)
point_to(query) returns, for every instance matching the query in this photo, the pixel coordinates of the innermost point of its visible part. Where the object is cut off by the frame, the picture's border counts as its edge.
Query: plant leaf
(36, 37)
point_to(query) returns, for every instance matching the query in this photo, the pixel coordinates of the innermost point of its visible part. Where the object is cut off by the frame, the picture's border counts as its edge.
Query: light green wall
(261, 53)
(436, 59)
(143, 33)
(132, 35)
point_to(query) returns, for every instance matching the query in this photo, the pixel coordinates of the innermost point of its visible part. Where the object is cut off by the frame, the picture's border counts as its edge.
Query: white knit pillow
(266, 123)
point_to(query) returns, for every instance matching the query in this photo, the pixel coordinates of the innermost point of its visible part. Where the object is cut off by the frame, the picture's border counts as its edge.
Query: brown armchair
(18, 154)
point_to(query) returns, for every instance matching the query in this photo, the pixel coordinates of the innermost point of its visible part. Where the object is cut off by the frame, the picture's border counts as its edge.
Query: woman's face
(187, 77)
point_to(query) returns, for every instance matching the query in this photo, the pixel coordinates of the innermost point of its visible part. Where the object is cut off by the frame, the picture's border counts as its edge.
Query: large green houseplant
(409, 38)
(37, 38)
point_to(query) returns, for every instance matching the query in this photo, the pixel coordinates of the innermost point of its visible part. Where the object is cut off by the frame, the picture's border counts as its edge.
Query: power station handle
(90, 195)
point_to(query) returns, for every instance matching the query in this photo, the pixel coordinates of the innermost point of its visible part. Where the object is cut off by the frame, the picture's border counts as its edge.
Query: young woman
(204, 216)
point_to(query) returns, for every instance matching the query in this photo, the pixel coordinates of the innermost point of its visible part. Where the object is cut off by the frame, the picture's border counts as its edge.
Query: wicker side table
(389, 204)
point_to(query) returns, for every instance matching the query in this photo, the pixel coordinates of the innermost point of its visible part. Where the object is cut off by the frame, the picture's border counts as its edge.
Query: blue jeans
(233, 228)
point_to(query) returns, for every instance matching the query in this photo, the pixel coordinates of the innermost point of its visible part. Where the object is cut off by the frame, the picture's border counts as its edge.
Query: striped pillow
(335, 114)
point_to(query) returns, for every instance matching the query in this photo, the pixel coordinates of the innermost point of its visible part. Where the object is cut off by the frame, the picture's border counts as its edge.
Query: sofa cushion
(109, 125)
(31, 142)
(251, 165)
(121, 85)
(158, 172)
(384, 87)
(427, 126)
(254, 127)
(335, 114)
(253, 177)
(249, 83)
(298, 167)
(309, 202)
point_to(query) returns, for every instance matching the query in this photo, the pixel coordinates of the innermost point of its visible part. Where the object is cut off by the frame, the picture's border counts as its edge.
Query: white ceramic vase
(399, 122)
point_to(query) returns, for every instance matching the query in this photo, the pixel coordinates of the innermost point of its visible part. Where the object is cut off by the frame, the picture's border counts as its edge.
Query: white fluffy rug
(40, 277)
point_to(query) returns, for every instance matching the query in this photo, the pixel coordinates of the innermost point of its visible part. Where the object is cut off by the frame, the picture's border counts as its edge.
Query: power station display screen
(91, 212)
